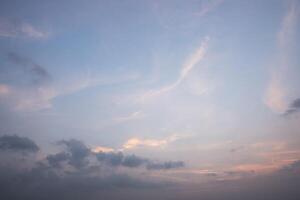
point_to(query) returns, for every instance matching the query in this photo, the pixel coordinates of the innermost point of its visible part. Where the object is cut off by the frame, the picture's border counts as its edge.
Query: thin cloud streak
(132, 116)
(187, 67)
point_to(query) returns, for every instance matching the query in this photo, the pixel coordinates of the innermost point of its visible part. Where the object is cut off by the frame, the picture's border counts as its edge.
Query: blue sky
(212, 83)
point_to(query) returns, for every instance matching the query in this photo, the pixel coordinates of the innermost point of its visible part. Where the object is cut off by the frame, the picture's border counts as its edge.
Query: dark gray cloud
(110, 158)
(78, 155)
(165, 165)
(55, 160)
(38, 72)
(42, 183)
(77, 151)
(16, 143)
(293, 107)
(133, 161)
(49, 179)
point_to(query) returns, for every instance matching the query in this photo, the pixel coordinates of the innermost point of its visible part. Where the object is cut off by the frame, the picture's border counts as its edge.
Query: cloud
(39, 72)
(16, 143)
(132, 161)
(207, 7)
(43, 183)
(47, 179)
(293, 107)
(29, 84)
(55, 160)
(276, 93)
(78, 155)
(30, 87)
(78, 152)
(165, 165)
(18, 29)
(189, 64)
(131, 116)
(4, 90)
(288, 26)
(99, 149)
(136, 142)
(73, 173)
(111, 158)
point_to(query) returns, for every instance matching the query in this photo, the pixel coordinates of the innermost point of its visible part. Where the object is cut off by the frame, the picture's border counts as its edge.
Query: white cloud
(189, 64)
(276, 94)
(131, 116)
(137, 142)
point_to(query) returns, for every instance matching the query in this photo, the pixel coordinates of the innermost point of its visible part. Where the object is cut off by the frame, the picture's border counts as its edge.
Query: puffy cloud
(99, 149)
(137, 142)
(16, 143)
(55, 159)
(68, 174)
(133, 161)
(78, 155)
(78, 152)
(111, 158)
(46, 181)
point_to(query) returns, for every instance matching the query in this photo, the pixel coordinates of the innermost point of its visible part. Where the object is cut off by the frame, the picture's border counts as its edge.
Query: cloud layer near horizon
(72, 174)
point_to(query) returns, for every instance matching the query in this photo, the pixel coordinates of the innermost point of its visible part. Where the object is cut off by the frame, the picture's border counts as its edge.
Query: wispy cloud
(38, 71)
(276, 93)
(187, 67)
(17, 29)
(40, 88)
(207, 7)
(131, 116)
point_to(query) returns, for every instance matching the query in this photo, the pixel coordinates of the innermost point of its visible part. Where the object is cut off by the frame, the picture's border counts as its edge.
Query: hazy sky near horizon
(210, 85)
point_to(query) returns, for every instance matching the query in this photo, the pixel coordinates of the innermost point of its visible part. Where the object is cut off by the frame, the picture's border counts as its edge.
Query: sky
(151, 99)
